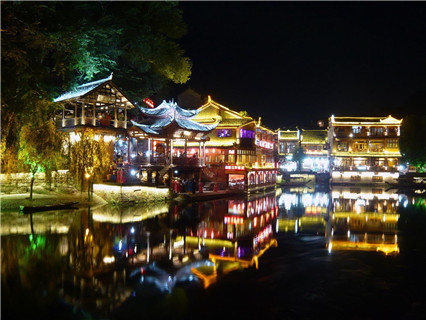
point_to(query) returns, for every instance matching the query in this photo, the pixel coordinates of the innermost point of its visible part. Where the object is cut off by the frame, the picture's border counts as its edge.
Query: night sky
(293, 63)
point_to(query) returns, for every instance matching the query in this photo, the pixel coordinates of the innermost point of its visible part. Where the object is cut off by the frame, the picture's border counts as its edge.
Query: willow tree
(89, 158)
(40, 148)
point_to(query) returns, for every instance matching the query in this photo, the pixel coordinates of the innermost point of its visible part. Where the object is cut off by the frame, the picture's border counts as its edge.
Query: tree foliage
(48, 47)
(89, 157)
(412, 141)
(40, 148)
(298, 156)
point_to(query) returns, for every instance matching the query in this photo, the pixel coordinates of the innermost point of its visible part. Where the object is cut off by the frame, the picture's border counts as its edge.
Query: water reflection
(350, 218)
(94, 257)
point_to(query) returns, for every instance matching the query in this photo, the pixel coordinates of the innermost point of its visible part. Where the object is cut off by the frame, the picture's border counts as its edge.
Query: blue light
(132, 230)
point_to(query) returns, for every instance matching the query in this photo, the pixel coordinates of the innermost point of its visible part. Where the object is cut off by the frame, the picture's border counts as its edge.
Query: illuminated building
(315, 147)
(169, 137)
(287, 140)
(240, 148)
(99, 104)
(364, 149)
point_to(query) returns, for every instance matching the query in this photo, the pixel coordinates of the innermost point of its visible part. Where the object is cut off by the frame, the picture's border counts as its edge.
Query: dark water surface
(346, 253)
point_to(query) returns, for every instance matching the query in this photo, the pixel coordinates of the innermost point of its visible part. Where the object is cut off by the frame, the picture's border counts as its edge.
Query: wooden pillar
(63, 116)
(94, 114)
(129, 139)
(171, 152)
(166, 152)
(185, 148)
(199, 152)
(204, 153)
(149, 150)
(75, 114)
(115, 116)
(82, 113)
(125, 116)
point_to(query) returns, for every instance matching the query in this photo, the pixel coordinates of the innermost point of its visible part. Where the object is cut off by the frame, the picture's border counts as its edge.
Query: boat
(59, 206)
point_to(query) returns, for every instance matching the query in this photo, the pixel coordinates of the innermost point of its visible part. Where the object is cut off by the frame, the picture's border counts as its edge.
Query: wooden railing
(90, 121)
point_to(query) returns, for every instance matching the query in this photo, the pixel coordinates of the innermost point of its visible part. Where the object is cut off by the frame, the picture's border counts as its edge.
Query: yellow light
(87, 175)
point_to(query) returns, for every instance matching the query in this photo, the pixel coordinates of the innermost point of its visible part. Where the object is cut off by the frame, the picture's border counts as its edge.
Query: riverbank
(41, 197)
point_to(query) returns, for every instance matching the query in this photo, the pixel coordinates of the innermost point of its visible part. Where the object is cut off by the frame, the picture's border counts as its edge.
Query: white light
(132, 230)
(133, 172)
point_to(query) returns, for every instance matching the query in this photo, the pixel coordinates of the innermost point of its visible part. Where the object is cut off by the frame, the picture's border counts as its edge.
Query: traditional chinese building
(99, 105)
(167, 137)
(315, 147)
(364, 149)
(240, 148)
(314, 143)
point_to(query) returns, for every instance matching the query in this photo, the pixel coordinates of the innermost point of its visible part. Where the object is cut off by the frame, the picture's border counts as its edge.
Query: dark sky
(296, 62)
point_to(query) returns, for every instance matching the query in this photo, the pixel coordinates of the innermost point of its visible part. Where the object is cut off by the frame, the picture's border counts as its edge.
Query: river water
(300, 253)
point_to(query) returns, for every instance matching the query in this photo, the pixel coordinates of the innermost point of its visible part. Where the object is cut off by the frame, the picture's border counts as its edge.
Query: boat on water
(59, 206)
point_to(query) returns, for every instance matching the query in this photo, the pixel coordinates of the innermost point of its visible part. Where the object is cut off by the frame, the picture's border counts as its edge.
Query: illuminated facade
(98, 105)
(315, 147)
(364, 149)
(240, 147)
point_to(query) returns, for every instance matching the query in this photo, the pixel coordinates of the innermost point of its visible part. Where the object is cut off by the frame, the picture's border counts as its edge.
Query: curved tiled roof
(81, 90)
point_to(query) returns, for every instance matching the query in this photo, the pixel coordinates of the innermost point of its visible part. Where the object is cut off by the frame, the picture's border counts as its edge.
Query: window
(247, 134)
(377, 178)
(290, 147)
(356, 129)
(342, 146)
(355, 178)
(224, 133)
(392, 143)
(282, 147)
(376, 146)
(360, 146)
(376, 131)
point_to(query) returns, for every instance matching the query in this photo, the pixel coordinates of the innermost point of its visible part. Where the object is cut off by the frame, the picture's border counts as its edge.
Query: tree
(298, 156)
(40, 148)
(89, 158)
(48, 47)
(412, 141)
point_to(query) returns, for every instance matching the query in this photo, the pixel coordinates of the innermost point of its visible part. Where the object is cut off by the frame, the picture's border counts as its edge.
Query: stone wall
(119, 194)
(20, 182)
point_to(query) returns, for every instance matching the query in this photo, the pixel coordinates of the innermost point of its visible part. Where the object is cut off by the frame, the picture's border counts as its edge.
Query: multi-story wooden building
(314, 143)
(240, 145)
(315, 147)
(364, 149)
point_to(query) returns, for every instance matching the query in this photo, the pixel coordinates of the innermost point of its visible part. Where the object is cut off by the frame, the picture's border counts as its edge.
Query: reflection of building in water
(303, 211)
(367, 199)
(363, 219)
(363, 232)
(236, 230)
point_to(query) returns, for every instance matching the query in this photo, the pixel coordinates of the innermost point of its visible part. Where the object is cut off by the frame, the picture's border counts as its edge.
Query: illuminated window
(355, 178)
(361, 146)
(356, 129)
(342, 146)
(376, 131)
(392, 143)
(290, 147)
(224, 133)
(247, 134)
(376, 146)
(282, 147)
(377, 179)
